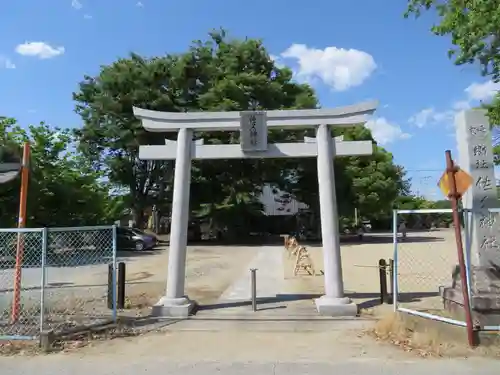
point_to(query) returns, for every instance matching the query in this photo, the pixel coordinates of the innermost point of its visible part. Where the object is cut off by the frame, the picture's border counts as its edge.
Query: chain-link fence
(76, 276)
(21, 272)
(425, 262)
(56, 279)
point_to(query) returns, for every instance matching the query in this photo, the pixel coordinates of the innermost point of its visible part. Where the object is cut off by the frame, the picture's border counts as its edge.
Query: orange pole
(20, 240)
(454, 196)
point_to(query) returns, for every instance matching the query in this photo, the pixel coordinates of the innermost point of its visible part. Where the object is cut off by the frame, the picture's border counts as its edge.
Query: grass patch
(427, 338)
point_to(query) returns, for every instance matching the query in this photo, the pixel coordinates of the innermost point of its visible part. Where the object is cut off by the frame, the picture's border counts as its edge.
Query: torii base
(180, 308)
(336, 307)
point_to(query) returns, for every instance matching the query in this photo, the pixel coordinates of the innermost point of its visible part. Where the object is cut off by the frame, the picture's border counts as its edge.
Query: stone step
(269, 325)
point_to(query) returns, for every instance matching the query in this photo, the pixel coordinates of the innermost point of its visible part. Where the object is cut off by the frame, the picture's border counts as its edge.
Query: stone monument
(482, 222)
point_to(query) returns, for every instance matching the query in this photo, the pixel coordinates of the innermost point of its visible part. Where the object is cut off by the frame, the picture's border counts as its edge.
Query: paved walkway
(209, 354)
(163, 366)
(269, 265)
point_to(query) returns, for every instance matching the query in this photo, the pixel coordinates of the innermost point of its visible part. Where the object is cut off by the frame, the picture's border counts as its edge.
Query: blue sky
(349, 51)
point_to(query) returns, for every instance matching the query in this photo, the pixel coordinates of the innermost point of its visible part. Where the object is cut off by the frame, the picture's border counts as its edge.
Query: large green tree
(64, 189)
(220, 74)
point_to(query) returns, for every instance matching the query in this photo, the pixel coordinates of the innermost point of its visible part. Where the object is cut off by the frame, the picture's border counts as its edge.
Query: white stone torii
(175, 303)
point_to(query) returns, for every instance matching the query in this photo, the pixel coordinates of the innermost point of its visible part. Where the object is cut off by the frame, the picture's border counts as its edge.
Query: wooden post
(23, 199)
(121, 286)
(382, 272)
(454, 197)
(111, 285)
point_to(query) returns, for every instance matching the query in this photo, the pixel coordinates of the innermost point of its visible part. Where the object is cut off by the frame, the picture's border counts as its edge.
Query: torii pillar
(253, 127)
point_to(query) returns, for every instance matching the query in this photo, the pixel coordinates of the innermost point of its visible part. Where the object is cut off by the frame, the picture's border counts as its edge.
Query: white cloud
(6, 63)
(338, 68)
(277, 61)
(385, 132)
(474, 94)
(76, 4)
(39, 49)
(461, 105)
(429, 116)
(482, 91)
(139, 4)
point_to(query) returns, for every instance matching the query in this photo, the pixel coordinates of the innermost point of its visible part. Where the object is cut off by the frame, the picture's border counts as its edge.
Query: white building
(276, 205)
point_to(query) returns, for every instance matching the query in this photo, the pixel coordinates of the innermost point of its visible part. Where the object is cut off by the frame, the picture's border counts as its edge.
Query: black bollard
(382, 271)
(121, 286)
(110, 286)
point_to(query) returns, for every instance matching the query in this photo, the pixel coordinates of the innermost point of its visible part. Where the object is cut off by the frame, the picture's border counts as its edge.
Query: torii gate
(253, 127)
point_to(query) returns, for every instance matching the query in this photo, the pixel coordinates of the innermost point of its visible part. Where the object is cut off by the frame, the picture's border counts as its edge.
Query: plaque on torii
(253, 131)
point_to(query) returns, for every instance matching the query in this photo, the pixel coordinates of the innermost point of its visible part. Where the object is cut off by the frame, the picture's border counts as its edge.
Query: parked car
(32, 249)
(134, 239)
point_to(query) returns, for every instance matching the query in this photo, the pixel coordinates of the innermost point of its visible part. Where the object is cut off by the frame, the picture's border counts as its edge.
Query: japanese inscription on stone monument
(476, 157)
(253, 131)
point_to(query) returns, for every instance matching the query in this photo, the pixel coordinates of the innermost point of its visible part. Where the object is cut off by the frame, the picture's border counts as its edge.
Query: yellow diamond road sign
(463, 181)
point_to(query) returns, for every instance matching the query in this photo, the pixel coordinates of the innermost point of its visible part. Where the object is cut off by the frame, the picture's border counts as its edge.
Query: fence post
(111, 286)
(382, 272)
(113, 277)
(391, 296)
(253, 284)
(43, 278)
(395, 287)
(121, 285)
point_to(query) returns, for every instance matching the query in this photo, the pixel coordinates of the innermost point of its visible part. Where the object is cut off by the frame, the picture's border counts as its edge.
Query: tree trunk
(138, 217)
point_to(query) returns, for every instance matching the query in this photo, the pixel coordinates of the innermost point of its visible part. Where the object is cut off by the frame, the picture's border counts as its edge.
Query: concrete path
(269, 265)
(137, 357)
(159, 365)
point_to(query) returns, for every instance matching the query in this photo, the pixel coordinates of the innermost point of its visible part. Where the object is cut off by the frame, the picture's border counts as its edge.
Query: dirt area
(76, 296)
(210, 270)
(425, 263)
(426, 260)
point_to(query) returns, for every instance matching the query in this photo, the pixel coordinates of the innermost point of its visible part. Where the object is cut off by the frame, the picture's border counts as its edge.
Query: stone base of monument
(173, 307)
(336, 307)
(485, 306)
(485, 311)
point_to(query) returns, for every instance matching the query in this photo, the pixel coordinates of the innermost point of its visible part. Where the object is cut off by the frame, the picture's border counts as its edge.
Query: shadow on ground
(371, 300)
(266, 305)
